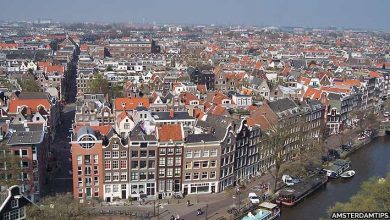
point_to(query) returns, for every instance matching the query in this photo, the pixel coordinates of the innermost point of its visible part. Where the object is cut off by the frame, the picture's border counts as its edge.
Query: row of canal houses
(130, 150)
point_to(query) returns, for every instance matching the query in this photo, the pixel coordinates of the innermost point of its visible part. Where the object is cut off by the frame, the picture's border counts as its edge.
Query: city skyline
(358, 14)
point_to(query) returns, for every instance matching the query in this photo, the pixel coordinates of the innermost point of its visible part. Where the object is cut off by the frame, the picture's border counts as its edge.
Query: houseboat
(335, 169)
(290, 196)
(267, 211)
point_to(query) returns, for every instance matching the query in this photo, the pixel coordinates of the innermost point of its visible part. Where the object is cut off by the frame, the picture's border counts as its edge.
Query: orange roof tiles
(374, 74)
(170, 132)
(130, 103)
(31, 103)
(103, 129)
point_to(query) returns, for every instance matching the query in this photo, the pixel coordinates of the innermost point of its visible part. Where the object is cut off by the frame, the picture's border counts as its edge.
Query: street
(60, 179)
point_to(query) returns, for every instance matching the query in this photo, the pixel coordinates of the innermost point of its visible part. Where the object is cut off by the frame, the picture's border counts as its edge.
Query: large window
(107, 165)
(123, 164)
(115, 164)
(115, 154)
(107, 154)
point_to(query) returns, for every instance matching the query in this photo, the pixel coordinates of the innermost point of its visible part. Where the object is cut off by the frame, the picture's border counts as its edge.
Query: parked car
(253, 198)
(288, 180)
(386, 114)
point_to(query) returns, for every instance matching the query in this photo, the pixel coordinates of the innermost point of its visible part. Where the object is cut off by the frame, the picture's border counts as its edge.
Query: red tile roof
(31, 103)
(170, 132)
(130, 103)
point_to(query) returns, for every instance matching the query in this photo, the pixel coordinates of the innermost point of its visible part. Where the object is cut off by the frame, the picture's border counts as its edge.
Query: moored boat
(267, 211)
(290, 196)
(348, 174)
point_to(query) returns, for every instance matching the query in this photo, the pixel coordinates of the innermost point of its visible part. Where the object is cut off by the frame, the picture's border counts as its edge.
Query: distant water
(369, 161)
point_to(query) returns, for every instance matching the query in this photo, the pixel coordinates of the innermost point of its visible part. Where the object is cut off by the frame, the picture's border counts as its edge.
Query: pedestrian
(199, 212)
(172, 217)
(177, 217)
(188, 202)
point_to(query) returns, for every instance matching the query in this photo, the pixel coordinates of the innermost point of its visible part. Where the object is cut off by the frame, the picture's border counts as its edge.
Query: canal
(368, 161)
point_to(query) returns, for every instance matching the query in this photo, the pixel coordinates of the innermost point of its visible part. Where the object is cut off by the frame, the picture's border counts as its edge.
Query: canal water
(369, 161)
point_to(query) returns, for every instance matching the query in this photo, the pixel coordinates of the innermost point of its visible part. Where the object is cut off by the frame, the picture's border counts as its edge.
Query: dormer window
(123, 104)
(14, 203)
(140, 104)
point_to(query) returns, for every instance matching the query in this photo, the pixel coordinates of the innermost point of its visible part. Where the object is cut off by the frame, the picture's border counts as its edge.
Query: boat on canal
(348, 174)
(289, 196)
(266, 211)
(336, 168)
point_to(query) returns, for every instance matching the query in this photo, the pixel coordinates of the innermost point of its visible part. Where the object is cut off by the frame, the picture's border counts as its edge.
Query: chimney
(171, 113)
(25, 123)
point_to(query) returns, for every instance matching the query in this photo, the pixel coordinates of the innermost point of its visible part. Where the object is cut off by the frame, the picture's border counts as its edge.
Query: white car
(254, 198)
(386, 114)
(287, 180)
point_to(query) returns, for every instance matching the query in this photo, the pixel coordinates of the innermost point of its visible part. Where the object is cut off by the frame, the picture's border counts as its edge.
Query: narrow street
(60, 179)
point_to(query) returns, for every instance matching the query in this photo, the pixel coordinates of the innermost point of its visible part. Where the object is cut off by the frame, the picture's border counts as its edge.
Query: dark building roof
(334, 96)
(282, 105)
(26, 137)
(194, 138)
(31, 127)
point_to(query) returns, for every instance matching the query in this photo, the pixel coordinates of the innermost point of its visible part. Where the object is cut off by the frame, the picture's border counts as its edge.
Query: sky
(363, 14)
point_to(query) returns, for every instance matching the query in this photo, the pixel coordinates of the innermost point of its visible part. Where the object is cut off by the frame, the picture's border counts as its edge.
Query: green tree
(29, 85)
(10, 167)
(109, 68)
(99, 84)
(60, 206)
(373, 196)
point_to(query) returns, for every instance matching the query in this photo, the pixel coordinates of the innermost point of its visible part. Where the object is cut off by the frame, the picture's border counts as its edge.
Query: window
(205, 164)
(115, 164)
(126, 125)
(87, 170)
(212, 175)
(152, 153)
(170, 151)
(107, 165)
(115, 188)
(196, 176)
(107, 177)
(197, 153)
(188, 154)
(206, 153)
(188, 176)
(123, 176)
(95, 159)
(170, 172)
(142, 176)
(79, 160)
(143, 153)
(161, 185)
(170, 161)
(213, 163)
(161, 172)
(169, 185)
(107, 189)
(123, 154)
(162, 161)
(123, 164)
(150, 175)
(151, 164)
(107, 154)
(178, 150)
(134, 176)
(134, 153)
(162, 151)
(115, 146)
(87, 159)
(213, 153)
(134, 164)
(177, 172)
(196, 164)
(24, 153)
(115, 176)
(178, 161)
(142, 164)
(188, 165)
(204, 175)
(14, 203)
(115, 154)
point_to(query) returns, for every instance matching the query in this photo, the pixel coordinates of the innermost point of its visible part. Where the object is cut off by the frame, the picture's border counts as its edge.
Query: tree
(10, 167)
(29, 85)
(60, 206)
(374, 196)
(99, 84)
(109, 68)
